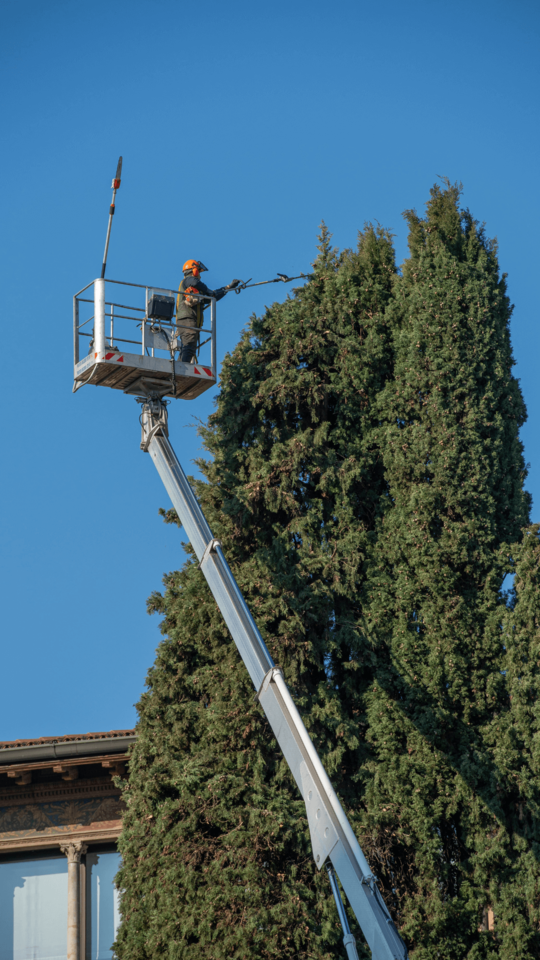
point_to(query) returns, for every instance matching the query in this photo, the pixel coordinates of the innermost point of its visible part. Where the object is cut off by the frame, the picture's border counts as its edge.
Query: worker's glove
(233, 284)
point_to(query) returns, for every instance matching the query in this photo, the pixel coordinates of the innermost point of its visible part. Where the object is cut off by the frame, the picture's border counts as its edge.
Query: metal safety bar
(159, 323)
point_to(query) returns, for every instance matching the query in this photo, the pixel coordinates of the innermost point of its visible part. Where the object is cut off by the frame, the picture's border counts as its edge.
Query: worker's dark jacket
(189, 311)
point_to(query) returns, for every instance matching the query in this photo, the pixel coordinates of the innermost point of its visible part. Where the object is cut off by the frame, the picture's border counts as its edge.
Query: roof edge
(70, 748)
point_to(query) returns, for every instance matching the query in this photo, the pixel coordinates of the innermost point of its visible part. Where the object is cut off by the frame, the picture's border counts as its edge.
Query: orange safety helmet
(196, 266)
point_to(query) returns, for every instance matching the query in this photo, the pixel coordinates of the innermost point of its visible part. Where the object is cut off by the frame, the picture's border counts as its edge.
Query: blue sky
(242, 126)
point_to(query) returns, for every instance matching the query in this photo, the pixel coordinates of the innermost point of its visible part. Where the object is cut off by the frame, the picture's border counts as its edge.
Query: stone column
(73, 852)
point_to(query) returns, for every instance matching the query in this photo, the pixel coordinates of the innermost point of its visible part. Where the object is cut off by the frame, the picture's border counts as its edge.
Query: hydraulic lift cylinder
(349, 941)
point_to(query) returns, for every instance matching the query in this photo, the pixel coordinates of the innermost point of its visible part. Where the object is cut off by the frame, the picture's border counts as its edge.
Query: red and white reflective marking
(111, 356)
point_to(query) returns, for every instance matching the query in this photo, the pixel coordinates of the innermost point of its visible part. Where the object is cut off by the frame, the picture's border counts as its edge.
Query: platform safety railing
(108, 323)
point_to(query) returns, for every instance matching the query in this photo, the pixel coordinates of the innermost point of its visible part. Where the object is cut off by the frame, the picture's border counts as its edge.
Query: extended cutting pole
(281, 278)
(332, 836)
(115, 187)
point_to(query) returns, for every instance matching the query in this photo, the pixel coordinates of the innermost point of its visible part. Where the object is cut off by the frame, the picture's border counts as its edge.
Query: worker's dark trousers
(189, 342)
(188, 351)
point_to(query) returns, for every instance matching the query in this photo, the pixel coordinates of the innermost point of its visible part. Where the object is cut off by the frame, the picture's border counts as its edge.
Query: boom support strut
(332, 837)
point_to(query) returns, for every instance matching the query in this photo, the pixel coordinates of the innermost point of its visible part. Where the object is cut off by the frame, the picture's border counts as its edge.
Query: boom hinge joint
(154, 420)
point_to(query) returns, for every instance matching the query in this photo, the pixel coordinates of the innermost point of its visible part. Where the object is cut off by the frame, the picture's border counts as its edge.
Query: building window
(102, 904)
(33, 909)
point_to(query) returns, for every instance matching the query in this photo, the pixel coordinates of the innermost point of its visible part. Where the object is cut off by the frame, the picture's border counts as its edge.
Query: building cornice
(104, 833)
(57, 790)
(91, 745)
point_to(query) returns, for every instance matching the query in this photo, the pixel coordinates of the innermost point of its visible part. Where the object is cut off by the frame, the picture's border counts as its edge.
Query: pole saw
(115, 185)
(281, 278)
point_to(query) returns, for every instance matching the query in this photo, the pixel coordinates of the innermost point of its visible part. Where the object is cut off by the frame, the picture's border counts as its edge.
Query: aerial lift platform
(133, 347)
(147, 368)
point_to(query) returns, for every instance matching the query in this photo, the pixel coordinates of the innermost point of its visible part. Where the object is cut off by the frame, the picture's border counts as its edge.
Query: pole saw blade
(116, 181)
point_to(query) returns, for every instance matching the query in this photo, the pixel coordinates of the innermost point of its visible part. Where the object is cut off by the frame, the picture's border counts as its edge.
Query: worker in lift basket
(189, 309)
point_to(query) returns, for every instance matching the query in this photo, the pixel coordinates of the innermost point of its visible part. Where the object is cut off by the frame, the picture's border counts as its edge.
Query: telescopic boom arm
(332, 837)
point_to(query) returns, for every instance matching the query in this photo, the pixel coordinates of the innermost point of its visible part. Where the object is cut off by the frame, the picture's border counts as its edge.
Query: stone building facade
(60, 818)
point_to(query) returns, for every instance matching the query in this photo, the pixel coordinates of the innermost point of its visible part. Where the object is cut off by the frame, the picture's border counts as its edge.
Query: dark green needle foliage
(453, 461)
(216, 853)
(514, 839)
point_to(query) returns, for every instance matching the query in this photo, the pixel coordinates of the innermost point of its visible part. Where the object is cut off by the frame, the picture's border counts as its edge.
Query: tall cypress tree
(215, 846)
(453, 460)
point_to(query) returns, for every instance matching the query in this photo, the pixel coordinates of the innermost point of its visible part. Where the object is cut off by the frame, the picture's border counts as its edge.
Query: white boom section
(331, 833)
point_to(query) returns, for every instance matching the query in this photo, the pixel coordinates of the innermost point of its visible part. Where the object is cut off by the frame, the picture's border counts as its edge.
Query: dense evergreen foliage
(367, 484)
(216, 846)
(515, 738)
(453, 461)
